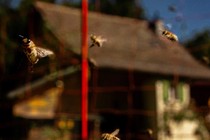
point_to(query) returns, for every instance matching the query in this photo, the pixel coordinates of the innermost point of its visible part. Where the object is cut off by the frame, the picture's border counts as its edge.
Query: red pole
(84, 86)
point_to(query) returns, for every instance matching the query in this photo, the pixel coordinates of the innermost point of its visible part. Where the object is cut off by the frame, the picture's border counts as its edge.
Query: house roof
(130, 43)
(43, 81)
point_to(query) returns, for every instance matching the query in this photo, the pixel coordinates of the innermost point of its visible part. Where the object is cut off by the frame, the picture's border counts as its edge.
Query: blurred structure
(207, 117)
(123, 91)
(176, 120)
(42, 106)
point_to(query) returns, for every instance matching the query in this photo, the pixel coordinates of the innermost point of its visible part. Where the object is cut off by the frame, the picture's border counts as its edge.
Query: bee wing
(100, 42)
(41, 52)
(116, 138)
(115, 132)
(100, 39)
(168, 26)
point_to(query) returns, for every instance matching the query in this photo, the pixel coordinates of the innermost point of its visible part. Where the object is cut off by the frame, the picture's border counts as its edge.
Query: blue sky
(194, 15)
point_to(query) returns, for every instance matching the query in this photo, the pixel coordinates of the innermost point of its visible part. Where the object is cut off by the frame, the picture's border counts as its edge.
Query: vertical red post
(84, 86)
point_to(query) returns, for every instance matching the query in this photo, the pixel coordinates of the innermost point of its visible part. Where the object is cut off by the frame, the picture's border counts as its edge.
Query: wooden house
(123, 73)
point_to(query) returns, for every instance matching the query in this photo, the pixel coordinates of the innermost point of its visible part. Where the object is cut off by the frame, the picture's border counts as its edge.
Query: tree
(126, 8)
(199, 46)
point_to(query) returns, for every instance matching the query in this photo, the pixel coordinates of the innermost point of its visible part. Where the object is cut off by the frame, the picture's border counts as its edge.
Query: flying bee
(110, 136)
(97, 41)
(33, 52)
(206, 59)
(169, 35)
(172, 8)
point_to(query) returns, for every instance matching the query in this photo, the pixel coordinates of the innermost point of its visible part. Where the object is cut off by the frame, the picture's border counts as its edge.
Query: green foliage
(200, 38)
(51, 1)
(5, 3)
(51, 133)
(76, 5)
(25, 5)
(127, 8)
(199, 46)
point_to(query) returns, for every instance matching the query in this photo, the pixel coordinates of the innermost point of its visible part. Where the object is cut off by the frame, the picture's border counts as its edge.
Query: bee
(169, 35)
(97, 41)
(111, 136)
(172, 8)
(33, 52)
(206, 59)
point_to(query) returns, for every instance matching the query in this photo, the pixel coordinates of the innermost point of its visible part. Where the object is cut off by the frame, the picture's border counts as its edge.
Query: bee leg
(98, 44)
(103, 137)
(31, 68)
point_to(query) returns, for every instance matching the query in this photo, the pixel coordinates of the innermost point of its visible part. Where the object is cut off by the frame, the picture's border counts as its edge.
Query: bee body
(33, 52)
(169, 35)
(97, 41)
(110, 136)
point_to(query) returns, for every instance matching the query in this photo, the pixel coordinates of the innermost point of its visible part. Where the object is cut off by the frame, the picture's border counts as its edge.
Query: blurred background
(139, 81)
